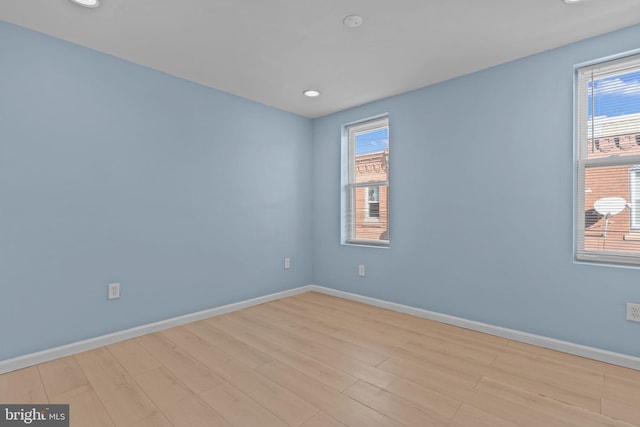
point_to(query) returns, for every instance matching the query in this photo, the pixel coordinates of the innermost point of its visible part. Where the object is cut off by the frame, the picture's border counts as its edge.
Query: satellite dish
(608, 207)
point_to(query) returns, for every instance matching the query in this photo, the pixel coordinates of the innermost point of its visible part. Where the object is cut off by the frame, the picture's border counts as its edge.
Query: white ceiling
(271, 50)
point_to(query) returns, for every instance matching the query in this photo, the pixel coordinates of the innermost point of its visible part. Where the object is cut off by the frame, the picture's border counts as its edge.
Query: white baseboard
(31, 359)
(619, 359)
(27, 360)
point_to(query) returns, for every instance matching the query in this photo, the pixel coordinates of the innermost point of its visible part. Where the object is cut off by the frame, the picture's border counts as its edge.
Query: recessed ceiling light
(311, 93)
(87, 3)
(353, 21)
(572, 1)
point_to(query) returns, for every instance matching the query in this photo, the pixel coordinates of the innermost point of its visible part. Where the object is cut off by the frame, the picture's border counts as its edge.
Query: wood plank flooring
(315, 360)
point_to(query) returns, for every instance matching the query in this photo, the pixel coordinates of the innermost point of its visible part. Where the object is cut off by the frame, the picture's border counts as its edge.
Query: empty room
(259, 213)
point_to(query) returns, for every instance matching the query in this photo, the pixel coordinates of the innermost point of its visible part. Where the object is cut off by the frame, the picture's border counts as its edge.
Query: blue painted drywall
(109, 171)
(482, 204)
(190, 197)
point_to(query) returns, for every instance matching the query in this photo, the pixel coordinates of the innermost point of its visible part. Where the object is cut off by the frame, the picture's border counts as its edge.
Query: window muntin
(367, 186)
(608, 155)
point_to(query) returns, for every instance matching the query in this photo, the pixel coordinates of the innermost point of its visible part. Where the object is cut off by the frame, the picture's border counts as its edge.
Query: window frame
(349, 184)
(609, 66)
(634, 189)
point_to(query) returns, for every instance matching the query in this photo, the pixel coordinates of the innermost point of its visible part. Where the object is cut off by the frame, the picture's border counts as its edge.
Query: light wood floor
(314, 360)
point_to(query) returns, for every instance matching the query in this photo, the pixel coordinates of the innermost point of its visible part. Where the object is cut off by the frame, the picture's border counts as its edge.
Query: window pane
(634, 189)
(370, 220)
(374, 194)
(607, 215)
(374, 210)
(613, 122)
(371, 155)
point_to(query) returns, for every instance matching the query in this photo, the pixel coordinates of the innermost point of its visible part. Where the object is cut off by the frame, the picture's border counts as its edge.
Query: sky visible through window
(372, 141)
(615, 96)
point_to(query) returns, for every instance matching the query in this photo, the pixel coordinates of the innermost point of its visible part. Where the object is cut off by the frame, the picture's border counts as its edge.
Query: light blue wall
(190, 197)
(482, 204)
(187, 196)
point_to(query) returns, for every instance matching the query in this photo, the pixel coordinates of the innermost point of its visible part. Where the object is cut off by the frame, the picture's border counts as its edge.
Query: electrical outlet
(113, 291)
(361, 270)
(287, 263)
(633, 312)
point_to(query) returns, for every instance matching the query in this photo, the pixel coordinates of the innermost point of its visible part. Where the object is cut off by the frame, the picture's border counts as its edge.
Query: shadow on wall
(591, 216)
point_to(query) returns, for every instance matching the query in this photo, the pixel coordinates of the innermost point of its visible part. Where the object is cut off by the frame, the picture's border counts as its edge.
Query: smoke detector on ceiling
(353, 21)
(86, 3)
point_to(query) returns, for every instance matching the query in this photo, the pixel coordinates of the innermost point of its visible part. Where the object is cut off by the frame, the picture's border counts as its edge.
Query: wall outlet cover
(633, 312)
(113, 291)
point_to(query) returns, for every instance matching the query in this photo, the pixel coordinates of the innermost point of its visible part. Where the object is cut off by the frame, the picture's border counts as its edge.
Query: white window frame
(348, 233)
(612, 66)
(634, 195)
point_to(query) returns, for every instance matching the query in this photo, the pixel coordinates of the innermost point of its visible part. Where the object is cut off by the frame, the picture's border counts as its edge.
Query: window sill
(367, 243)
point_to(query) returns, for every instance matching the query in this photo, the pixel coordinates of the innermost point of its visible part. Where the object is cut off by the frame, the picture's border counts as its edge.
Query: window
(608, 174)
(372, 207)
(366, 183)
